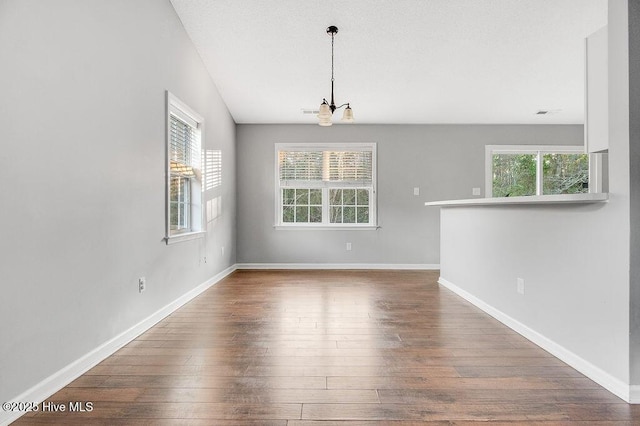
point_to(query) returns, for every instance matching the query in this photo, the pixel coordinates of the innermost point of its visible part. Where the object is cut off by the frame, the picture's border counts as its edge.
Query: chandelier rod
(333, 104)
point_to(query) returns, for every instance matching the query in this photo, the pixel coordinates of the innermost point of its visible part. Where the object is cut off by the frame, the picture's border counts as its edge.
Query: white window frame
(595, 163)
(179, 109)
(326, 186)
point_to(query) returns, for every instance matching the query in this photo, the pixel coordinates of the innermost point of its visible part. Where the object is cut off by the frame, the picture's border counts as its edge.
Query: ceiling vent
(548, 111)
(310, 111)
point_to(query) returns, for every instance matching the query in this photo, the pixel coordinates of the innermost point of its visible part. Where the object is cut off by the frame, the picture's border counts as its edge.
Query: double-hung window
(184, 174)
(326, 185)
(521, 170)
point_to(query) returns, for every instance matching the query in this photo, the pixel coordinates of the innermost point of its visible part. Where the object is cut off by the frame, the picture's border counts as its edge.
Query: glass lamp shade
(324, 114)
(325, 121)
(347, 116)
(324, 111)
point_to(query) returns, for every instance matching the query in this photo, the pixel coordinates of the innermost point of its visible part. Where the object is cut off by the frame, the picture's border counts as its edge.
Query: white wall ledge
(533, 199)
(325, 228)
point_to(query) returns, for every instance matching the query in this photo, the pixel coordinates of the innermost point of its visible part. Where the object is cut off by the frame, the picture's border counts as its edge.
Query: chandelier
(326, 109)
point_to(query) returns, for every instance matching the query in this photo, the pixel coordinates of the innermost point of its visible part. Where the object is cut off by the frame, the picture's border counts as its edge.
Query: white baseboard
(390, 266)
(614, 385)
(66, 375)
(634, 394)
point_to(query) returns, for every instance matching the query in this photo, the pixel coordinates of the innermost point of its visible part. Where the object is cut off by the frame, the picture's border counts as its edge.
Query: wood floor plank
(549, 423)
(96, 395)
(330, 361)
(146, 360)
(181, 410)
(430, 355)
(435, 412)
(232, 383)
(258, 396)
(518, 371)
(115, 421)
(368, 423)
(329, 348)
(191, 351)
(351, 370)
(495, 396)
(169, 370)
(489, 384)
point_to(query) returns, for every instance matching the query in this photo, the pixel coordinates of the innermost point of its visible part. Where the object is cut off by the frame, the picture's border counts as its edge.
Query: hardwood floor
(342, 347)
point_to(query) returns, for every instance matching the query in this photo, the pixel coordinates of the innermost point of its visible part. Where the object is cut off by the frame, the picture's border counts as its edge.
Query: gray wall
(82, 169)
(575, 260)
(444, 161)
(634, 181)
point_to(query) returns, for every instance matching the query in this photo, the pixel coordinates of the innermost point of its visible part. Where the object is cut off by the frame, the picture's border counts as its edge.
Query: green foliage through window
(565, 173)
(514, 175)
(517, 174)
(349, 206)
(301, 205)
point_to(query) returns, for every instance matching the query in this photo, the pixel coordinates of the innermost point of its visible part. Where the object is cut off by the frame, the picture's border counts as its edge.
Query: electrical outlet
(348, 246)
(142, 284)
(205, 259)
(416, 191)
(520, 286)
(475, 191)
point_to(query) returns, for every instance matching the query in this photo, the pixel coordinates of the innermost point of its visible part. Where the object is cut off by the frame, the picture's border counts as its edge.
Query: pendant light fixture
(327, 109)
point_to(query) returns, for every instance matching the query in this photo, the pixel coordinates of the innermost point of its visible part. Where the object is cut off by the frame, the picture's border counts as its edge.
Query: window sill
(325, 228)
(532, 199)
(173, 239)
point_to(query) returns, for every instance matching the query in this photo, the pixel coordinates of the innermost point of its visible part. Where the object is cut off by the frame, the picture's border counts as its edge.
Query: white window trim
(311, 227)
(334, 146)
(184, 112)
(595, 163)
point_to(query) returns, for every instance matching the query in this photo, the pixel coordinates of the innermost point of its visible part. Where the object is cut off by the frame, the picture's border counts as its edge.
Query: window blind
(184, 147)
(300, 165)
(354, 167)
(349, 166)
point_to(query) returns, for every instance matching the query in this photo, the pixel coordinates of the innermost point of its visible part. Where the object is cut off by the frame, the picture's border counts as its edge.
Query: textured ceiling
(397, 61)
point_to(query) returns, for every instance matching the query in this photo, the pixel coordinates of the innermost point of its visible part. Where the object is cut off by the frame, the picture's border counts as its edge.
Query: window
(536, 170)
(326, 185)
(184, 174)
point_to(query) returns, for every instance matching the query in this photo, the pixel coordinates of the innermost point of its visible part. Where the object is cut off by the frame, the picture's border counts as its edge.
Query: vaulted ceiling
(397, 61)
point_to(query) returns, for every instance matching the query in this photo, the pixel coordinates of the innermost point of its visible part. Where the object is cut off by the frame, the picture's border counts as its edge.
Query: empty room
(317, 213)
